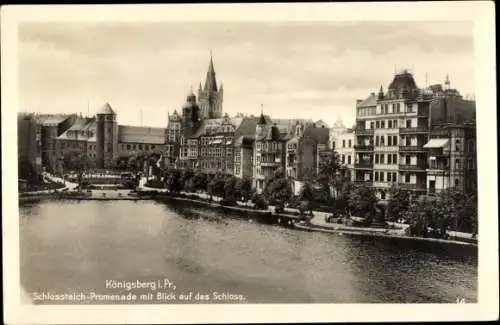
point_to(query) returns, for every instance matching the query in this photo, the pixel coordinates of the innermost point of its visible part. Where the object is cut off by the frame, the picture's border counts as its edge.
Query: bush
(259, 202)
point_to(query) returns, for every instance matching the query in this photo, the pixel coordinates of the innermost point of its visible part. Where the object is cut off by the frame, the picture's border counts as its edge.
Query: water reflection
(69, 245)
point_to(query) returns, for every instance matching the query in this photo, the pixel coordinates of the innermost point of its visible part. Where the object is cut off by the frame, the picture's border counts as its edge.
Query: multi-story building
(49, 127)
(345, 148)
(336, 130)
(393, 127)
(452, 159)
(269, 153)
(29, 148)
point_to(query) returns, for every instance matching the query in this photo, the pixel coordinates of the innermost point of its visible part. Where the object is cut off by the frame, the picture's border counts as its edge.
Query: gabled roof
(140, 134)
(106, 109)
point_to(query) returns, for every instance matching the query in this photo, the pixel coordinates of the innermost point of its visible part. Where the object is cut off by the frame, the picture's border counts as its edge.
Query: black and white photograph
(200, 159)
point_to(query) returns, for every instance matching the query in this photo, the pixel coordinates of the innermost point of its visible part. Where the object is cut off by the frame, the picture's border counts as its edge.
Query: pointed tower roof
(106, 109)
(262, 118)
(210, 82)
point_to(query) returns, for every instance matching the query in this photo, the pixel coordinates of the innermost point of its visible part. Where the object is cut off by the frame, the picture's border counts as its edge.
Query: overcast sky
(306, 70)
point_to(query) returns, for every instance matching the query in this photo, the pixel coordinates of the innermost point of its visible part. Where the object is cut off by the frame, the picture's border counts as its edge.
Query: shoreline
(283, 219)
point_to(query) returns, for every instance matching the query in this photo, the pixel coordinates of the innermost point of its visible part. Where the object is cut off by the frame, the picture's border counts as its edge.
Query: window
(382, 158)
(389, 176)
(343, 159)
(395, 123)
(394, 158)
(457, 164)
(382, 195)
(394, 140)
(382, 176)
(343, 143)
(376, 176)
(398, 107)
(407, 160)
(408, 141)
(389, 141)
(458, 145)
(394, 177)
(376, 140)
(376, 158)
(471, 163)
(350, 143)
(407, 178)
(382, 140)
(377, 124)
(457, 182)
(389, 124)
(382, 124)
(389, 159)
(349, 159)
(372, 125)
(408, 123)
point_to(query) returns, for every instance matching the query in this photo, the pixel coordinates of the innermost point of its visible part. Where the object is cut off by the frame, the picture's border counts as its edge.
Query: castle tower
(106, 136)
(210, 96)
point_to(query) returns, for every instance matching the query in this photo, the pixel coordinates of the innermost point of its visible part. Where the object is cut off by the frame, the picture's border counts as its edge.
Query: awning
(436, 143)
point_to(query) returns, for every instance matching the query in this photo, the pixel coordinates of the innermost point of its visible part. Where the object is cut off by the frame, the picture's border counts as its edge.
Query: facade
(29, 148)
(452, 159)
(345, 148)
(336, 130)
(269, 153)
(392, 128)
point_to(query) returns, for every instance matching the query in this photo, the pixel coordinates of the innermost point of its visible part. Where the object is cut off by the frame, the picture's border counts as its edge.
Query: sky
(294, 70)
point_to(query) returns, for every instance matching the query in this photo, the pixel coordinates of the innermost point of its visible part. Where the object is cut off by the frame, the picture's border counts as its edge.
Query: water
(71, 247)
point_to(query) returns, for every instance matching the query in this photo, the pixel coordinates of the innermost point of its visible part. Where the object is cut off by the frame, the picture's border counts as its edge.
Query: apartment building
(345, 148)
(452, 158)
(392, 128)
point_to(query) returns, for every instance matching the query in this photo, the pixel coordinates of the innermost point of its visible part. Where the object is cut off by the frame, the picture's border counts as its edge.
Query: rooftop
(51, 119)
(141, 134)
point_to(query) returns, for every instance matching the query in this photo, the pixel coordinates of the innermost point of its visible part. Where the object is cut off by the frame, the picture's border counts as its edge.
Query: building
(269, 153)
(29, 143)
(392, 128)
(210, 96)
(452, 158)
(49, 127)
(337, 129)
(345, 148)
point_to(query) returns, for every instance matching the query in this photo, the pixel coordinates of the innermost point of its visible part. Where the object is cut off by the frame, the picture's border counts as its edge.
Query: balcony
(362, 147)
(364, 132)
(413, 130)
(417, 168)
(404, 148)
(412, 187)
(270, 164)
(364, 165)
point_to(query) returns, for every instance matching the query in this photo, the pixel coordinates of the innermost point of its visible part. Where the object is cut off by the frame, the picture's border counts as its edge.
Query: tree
(185, 179)
(306, 196)
(199, 181)
(332, 174)
(398, 204)
(278, 189)
(230, 194)
(243, 188)
(362, 201)
(215, 186)
(174, 181)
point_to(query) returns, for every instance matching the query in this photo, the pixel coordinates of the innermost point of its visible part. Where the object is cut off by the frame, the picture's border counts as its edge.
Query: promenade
(318, 219)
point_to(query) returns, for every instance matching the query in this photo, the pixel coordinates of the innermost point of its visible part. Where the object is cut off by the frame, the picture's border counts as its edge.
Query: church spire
(210, 82)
